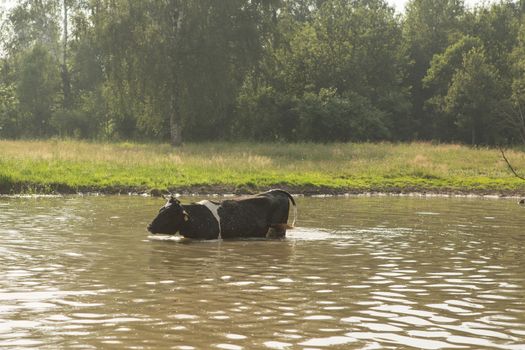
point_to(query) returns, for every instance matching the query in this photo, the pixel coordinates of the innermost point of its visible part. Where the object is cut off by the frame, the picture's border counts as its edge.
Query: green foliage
(265, 115)
(34, 23)
(326, 117)
(338, 77)
(178, 63)
(518, 59)
(323, 117)
(438, 80)
(428, 29)
(444, 65)
(266, 70)
(516, 115)
(473, 96)
(37, 85)
(467, 88)
(9, 121)
(494, 25)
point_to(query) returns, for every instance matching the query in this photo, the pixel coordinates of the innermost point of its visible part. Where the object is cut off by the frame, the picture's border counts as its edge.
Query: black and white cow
(259, 216)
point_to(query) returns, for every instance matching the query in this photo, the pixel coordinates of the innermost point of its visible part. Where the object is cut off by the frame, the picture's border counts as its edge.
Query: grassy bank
(75, 166)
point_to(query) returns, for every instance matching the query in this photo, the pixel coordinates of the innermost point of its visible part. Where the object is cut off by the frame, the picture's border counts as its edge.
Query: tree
(497, 25)
(37, 90)
(516, 117)
(33, 52)
(9, 123)
(288, 70)
(474, 98)
(437, 82)
(66, 79)
(351, 49)
(180, 62)
(34, 22)
(429, 27)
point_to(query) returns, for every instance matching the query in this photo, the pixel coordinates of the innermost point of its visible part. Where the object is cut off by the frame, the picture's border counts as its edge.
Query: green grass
(69, 166)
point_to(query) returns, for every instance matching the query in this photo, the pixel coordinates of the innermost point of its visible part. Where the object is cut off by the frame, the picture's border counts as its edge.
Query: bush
(326, 116)
(323, 117)
(265, 115)
(9, 124)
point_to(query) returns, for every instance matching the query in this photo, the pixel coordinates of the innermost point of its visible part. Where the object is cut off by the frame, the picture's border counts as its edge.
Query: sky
(399, 5)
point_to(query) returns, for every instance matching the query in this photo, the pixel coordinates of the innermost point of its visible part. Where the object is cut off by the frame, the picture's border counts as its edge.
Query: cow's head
(170, 219)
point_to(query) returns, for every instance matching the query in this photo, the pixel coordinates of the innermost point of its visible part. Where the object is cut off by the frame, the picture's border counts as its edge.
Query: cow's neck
(214, 209)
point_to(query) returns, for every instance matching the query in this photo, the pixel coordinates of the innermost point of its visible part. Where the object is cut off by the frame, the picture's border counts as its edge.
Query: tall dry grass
(362, 166)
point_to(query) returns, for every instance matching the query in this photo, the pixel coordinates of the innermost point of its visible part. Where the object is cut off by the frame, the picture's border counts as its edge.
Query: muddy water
(358, 273)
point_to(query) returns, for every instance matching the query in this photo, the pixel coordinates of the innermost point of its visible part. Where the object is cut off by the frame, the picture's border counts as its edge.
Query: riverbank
(64, 166)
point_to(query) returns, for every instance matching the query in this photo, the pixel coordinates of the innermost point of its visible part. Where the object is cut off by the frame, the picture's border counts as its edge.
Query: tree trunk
(175, 122)
(175, 113)
(66, 83)
(521, 117)
(175, 131)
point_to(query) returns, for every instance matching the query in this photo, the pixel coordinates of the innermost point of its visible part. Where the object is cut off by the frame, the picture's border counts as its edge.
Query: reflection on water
(359, 273)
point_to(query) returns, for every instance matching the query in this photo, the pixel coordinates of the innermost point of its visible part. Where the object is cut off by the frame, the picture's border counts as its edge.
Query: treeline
(263, 70)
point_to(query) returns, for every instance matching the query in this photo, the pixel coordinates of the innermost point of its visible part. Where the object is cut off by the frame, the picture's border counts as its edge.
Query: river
(357, 273)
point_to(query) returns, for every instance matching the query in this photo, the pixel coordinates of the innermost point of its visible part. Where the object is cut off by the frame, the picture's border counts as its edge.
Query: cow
(261, 216)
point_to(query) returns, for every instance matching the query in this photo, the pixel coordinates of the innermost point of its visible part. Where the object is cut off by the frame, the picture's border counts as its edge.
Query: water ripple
(376, 273)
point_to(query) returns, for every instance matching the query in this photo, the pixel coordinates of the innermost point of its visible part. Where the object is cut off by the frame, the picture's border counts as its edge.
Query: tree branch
(510, 166)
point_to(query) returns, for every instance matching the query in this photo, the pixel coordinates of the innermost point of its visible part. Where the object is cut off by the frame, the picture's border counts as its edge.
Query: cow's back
(245, 217)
